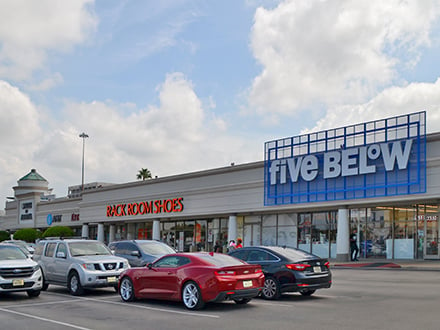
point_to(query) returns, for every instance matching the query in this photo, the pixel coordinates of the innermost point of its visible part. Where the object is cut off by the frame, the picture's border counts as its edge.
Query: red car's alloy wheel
(127, 290)
(191, 296)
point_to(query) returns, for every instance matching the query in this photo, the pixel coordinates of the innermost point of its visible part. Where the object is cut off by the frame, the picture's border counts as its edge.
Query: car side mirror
(150, 265)
(135, 254)
(61, 255)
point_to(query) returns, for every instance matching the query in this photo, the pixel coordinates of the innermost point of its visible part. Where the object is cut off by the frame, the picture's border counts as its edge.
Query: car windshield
(11, 253)
(220, 260)
(88, 249)
(155, 249)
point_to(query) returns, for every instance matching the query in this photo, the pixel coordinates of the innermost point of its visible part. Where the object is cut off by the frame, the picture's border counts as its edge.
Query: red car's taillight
(224, 273)
(297, 266)
(258, 270)
(327, 264)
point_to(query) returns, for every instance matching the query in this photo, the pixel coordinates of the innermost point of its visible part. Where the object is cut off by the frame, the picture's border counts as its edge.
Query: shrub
(58, 231)
(27, 234)
(4, 235)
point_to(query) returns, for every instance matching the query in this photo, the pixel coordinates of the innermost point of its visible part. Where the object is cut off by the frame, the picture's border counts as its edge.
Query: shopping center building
(380, 179)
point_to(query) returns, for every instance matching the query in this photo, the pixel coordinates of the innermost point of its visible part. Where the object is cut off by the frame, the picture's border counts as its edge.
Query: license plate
(111, 279)
(317, 269)
(247, 284)
(17, 282)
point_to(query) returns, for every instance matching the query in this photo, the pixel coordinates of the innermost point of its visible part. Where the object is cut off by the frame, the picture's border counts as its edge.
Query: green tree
(4, 235)
(27, 234)
(58, 231)
(143, 174)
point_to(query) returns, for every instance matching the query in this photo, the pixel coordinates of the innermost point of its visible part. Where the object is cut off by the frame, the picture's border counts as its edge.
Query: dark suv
(140, 252)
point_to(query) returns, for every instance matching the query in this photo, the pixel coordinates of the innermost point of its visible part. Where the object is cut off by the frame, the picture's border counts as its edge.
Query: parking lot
(359, 299)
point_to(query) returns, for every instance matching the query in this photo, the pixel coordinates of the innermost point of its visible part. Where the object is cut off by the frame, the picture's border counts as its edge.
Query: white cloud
(316, 52)
(393, 101)
(176, 136)
(31, 29)
(20, 134)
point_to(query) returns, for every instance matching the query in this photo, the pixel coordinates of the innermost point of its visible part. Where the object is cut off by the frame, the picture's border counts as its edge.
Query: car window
(61, 248)
(87, 248)
(50, 249)
(171, 261)
(113, 246)
(11, 253)
(240, 254)
(123, 248)
(39, 249)
(259, 255)
(155, 248)
(220, 260)
(293, 254)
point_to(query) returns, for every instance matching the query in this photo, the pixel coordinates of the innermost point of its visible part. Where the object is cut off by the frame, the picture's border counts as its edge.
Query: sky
(179, 86)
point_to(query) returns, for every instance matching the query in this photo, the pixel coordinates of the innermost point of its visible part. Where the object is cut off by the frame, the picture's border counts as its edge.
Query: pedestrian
(354, 250)
(239, 243)
(217, 247)
(231, 246)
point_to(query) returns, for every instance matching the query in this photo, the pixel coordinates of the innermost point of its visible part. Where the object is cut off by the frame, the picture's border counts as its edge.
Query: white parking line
(44, 319)
(153, 308)
(41, 304)
(78, 298)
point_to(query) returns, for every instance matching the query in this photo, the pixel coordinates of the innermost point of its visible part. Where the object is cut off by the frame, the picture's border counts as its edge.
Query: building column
(85, 230)
(156, 230)
(112, 234)
(232, 228)
(100, 237)
(130, 231)
(343, 236)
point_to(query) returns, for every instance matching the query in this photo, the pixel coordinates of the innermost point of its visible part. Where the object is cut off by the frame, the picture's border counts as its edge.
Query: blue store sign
(381, 158)
(49, 219)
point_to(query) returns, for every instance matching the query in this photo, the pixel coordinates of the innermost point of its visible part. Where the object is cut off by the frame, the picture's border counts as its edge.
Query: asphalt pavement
(424, 265)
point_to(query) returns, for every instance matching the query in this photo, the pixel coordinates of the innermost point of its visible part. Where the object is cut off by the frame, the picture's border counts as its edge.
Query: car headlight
(35, 268)
(126, 265)
(89, 266)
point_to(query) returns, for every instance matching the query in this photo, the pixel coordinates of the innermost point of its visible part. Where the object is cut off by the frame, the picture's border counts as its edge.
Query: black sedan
(287, 269)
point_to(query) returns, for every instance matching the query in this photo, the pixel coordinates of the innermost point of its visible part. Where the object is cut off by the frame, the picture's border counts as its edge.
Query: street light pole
(83, 136)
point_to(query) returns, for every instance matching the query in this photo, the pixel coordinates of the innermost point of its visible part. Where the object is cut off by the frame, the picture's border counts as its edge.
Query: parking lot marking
(138, 306)
(44, 319)
(153, 308)
(40, 304)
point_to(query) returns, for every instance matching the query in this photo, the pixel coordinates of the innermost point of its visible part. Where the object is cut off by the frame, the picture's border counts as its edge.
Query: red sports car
(194, 278)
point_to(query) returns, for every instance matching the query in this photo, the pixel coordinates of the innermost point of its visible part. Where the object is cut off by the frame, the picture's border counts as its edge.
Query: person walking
(354, 250)
(239, 243)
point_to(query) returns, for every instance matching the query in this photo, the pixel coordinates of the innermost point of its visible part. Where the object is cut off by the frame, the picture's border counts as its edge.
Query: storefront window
(379, 232)
(287, 230)
(269, 234)
(404, 232)
(251, 233)
(305, 231)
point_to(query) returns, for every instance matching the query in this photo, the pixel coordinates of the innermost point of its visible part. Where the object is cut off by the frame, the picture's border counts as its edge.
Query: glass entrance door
(431, 250)
(429, 216)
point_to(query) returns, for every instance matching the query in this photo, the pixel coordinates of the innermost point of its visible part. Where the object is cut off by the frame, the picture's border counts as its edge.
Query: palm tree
(144, 173)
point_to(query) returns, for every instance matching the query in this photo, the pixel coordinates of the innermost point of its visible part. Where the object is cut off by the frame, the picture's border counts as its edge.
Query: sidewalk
(425, 265)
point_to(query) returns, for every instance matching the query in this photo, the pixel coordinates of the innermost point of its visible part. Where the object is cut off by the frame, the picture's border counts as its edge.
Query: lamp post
(83, 136)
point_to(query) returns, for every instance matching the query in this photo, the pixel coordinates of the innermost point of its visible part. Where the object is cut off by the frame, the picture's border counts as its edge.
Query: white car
(18, 272)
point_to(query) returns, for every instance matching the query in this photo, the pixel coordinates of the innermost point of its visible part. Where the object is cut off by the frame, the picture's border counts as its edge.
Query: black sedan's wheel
(307, 292)
(33, 293)
(242, 301)
(74, 284)
(271, 288)
(126, 290)
(191, 296)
